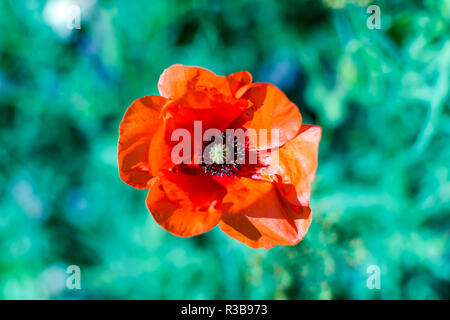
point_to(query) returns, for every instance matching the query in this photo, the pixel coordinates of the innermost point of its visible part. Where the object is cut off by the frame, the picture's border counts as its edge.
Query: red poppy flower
(262, 204)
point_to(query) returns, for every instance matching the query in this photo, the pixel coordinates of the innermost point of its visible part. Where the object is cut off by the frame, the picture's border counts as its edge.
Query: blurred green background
(382, 192)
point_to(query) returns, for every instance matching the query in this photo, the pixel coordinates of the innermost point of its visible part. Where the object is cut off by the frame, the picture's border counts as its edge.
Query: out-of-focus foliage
(382, 192)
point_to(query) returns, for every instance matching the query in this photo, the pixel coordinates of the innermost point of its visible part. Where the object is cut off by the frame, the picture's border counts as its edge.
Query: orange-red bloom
(261, 205)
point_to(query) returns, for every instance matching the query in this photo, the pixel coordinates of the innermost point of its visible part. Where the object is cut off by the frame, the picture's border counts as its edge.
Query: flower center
(218, 162)
(218, 153)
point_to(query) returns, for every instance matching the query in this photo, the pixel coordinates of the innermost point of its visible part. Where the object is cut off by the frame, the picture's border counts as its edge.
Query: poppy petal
(160, 152)
(185, 204)
(199, 87)
(270, 110)
(296, 167)
(238, 80)
(177, 81)
(267, 222)
(241, 192)
(136, 132)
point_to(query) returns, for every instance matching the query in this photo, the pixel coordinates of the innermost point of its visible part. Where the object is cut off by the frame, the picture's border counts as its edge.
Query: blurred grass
(382, 190)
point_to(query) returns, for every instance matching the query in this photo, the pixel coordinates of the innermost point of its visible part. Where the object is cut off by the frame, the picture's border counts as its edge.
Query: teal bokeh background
(381, 195)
